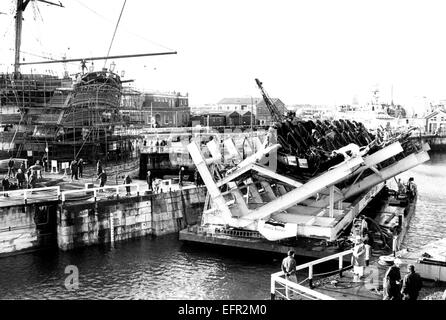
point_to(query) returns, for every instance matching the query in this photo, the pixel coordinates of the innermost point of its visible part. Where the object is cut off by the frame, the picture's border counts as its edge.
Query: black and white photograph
(248, 151)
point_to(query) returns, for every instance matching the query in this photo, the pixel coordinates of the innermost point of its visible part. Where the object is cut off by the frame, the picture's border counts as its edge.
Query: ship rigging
(63, 118)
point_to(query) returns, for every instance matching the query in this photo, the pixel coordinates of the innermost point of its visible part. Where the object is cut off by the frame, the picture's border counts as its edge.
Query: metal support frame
(331, 205)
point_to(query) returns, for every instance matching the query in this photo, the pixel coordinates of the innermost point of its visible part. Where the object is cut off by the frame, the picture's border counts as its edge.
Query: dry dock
(68, 215)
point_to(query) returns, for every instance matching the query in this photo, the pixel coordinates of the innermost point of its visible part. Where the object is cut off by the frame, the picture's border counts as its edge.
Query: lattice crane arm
(275, 113)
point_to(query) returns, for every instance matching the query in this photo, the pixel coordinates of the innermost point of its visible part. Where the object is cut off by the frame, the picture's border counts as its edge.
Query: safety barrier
(35, 193)
(282, 287)
(95, 191)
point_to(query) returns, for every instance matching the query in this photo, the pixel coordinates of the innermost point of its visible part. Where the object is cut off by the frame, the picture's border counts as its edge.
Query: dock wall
(27, 227)
(436, 143)
(114, 220)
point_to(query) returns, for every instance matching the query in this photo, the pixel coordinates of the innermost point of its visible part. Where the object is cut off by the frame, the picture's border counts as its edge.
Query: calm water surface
(164, 268)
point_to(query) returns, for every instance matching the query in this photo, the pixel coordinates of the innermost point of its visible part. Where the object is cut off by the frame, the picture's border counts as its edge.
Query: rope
(381, 231)
(114, 33)
(332, 272)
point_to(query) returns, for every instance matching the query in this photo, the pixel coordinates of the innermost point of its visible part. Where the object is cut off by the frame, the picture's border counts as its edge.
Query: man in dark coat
(73, 168)
(149, 180)
(98, 168)
(181, 176)
(103, 179)
(392, 280)
(10, 168)
(21, 179)
(411, 284)
(80, 167)
(127, 180)
(5, 185)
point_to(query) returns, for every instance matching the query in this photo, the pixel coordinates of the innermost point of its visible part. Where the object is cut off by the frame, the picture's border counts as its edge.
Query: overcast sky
(321, 52)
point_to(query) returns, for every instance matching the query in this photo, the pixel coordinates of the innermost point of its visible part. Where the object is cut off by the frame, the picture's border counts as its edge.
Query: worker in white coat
(358, 258)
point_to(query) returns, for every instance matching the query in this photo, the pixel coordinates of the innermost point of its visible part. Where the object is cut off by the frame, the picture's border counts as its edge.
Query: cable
(130, 32)
(114, 33)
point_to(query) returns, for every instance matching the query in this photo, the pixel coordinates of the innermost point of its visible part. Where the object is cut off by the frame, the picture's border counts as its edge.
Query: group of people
(24, 177)
(77, 169)
(409, 189)
(395, 287)
(153, 184)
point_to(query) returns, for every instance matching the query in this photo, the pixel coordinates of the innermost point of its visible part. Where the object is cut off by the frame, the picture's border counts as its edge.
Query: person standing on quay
(10, 168)
(73, 168)
(80, 167)
(127, 180)
(44, 162)
(149, 180)
(289, 268)
(103, 179)
(21, 179)
(98, 168)
(412, 284)
(23, 166)
(181, 177)
(32, 179)
(5, 185)
(392, 280)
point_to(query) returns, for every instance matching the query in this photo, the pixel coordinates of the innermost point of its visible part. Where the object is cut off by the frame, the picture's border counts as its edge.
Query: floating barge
(308, 247)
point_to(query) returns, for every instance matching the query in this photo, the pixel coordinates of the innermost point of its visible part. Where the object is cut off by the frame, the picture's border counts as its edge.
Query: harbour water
(165, 268)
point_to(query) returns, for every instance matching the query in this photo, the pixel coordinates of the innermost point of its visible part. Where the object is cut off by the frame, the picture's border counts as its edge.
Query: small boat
(429, 261)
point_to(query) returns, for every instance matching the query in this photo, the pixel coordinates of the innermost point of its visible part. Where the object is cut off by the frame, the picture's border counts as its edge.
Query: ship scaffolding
(43, 114)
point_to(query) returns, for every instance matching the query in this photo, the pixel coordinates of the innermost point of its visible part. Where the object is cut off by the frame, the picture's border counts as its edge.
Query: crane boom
(275, 113)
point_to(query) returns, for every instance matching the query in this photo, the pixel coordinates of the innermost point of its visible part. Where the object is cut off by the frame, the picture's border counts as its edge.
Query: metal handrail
(279, 276)
(95, 190)
(26, 192)
(296, 288)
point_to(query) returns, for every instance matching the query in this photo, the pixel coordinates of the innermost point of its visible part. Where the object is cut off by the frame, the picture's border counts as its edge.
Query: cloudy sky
(321, 52)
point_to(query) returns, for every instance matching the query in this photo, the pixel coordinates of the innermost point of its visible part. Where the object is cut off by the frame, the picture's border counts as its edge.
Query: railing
(282, 287)
(227, 232)
(163, 149)
(28, 193)
(95, 191)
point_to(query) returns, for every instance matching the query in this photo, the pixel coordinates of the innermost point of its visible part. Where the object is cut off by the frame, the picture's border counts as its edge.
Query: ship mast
(21, 6)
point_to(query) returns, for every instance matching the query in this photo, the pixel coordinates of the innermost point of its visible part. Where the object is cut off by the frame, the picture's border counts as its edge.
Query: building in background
(436, 122)
(264, 115)
(239, 105)
(162, 109)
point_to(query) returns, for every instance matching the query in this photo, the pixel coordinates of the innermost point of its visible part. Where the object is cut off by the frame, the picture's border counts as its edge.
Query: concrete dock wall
(105, 221)
(437, 143)
(27, 227)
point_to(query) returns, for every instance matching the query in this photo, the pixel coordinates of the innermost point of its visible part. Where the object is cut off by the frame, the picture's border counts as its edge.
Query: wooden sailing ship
(63, 118)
